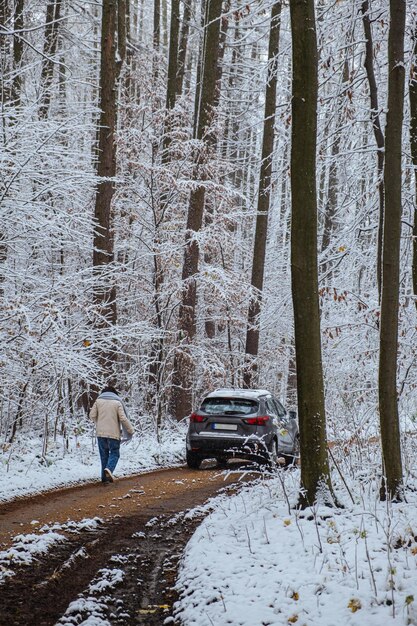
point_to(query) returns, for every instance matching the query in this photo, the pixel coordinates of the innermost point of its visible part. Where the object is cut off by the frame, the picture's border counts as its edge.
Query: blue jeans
(109, 454)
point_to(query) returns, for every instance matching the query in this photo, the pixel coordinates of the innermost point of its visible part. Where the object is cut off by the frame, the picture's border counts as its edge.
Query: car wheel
(193, 460)
(221, 461)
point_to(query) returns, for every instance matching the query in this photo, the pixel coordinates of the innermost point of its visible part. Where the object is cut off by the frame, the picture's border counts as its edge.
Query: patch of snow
(86, 524)
(109, 578)
(256, 560)
(24, 550)
(85, 612)
(88, 610)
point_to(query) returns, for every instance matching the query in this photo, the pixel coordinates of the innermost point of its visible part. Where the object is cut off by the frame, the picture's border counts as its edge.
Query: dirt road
(123, 570)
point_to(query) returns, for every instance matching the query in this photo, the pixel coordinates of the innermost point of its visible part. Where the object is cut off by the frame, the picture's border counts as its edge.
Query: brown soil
(39, 594)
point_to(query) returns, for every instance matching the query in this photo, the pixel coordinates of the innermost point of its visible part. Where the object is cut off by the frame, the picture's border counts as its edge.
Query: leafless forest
(147, 214)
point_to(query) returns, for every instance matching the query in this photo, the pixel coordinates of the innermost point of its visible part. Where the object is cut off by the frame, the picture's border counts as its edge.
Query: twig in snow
(247, 532)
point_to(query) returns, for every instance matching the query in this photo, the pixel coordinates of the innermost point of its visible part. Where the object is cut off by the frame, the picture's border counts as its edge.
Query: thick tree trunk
(264, 194)
(105, 290)
(315, 476)
(210, 323)
(388, 399)
(53, 12)
(413, 147)
(182, 380)
(376, 124)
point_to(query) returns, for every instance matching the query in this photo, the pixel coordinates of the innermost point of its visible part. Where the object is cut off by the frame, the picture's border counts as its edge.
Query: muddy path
(122, 571)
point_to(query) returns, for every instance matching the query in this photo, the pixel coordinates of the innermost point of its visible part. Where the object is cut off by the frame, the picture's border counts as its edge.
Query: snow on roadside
(254, 561)
(23, 470)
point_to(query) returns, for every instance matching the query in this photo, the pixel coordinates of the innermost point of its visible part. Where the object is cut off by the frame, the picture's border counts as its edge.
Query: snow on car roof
(238, 393)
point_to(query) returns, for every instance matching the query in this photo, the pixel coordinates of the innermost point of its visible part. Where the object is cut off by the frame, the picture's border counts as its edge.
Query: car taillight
(194, 417)
(257, 421)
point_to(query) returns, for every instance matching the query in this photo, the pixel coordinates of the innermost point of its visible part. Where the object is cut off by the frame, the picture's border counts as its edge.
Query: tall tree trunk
(330, 209)
(210, 323)
(182, 378)
(171, 93)
(182, 48)
(315, 476)
(53, 12)
(156, 37)
(264, 194)
(17, 53)
(388, 397)
(105, 290)
(413, 146)
(5, 52)
(173, 54)
(376, 125)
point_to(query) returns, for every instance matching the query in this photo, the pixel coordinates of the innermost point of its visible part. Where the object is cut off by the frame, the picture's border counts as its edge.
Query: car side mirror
(292, 415)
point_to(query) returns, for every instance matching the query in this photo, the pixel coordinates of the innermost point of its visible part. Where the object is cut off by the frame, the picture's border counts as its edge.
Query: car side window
(280, 409)
(270, 406)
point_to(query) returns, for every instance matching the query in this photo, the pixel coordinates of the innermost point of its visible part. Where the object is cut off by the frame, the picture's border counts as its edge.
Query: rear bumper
(210, 446)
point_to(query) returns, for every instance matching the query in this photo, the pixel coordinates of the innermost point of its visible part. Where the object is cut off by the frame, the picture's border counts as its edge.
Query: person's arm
(124, 421)
(94, 412)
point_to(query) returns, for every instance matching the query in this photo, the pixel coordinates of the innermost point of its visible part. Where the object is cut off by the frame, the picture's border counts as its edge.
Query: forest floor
(115, 547)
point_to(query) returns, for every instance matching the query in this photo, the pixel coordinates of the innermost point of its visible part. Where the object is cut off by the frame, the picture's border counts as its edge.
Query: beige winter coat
(108, 416)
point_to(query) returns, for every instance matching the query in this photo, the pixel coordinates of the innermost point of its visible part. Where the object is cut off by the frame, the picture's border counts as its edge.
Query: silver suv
(244, 423)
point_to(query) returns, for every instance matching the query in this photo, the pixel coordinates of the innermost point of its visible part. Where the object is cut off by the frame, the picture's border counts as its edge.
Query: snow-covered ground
(25, 468)
(257, 561)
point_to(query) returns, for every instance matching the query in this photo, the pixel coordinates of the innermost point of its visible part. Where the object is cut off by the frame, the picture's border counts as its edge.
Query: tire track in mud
(145, 545)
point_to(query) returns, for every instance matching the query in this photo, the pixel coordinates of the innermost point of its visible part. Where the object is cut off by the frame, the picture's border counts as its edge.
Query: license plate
(224, 426)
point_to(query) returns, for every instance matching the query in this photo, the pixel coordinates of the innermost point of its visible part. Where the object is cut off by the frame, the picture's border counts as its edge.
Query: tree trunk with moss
(315, 475)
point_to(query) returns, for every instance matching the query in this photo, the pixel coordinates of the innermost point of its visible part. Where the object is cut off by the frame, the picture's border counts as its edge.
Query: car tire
(221, 461)
(193, 460)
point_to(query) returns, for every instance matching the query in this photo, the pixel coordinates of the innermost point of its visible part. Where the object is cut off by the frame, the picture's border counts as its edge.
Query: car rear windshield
(229, 406)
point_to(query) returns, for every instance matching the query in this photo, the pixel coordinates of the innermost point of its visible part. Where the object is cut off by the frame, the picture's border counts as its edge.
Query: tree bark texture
(264, 195)
(315, 476)
(388, 397)
(182, 381)
(376, 125)
(105, 293)
(413, 147)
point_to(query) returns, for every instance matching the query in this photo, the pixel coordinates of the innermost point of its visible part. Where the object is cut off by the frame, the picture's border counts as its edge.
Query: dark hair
(109, 388)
